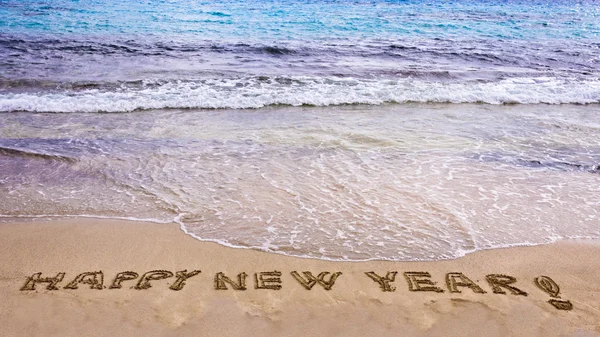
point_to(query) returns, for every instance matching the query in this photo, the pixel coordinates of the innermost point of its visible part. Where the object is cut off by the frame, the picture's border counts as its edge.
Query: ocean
(340, 130)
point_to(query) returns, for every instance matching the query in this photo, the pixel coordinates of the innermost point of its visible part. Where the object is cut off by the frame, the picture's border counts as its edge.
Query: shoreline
(152, 222)
(424, 301)
(476, 171)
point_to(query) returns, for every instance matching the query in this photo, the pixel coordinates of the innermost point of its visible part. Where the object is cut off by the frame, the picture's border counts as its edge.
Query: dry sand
(355, 305)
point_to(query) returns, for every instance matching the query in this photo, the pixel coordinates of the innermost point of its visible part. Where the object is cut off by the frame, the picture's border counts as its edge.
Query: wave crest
(261, 91)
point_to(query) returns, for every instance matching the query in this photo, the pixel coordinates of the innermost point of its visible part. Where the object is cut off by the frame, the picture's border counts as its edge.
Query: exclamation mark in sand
(551, 288)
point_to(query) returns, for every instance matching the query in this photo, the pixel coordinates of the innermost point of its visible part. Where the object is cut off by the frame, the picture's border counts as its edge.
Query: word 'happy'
(271, 280)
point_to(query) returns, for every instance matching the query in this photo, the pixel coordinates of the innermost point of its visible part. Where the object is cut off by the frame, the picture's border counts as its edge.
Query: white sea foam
(256, 92)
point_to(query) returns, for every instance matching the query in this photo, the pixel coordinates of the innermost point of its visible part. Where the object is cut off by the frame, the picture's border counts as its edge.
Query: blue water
(67, 56)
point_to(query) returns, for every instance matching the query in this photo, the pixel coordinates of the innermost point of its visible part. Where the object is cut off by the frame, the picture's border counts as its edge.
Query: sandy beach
(299, 168)
(141, 281)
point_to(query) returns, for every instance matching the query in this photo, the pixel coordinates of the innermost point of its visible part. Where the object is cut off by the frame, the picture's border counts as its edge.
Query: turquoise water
(85, 56)
(255, 21)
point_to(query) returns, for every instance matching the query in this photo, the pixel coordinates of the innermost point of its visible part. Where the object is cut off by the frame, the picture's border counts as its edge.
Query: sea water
(400, 130)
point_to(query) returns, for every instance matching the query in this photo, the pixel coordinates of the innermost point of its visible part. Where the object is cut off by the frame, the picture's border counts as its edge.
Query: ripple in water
(397, 182)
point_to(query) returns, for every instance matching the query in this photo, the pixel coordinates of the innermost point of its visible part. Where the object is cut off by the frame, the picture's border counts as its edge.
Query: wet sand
(356, 304)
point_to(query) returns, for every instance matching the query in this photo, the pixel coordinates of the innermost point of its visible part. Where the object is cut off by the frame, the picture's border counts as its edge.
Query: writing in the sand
(456, 281)
(415, 281)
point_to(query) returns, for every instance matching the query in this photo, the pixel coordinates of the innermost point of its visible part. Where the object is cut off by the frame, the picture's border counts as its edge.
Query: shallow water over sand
(398, 182)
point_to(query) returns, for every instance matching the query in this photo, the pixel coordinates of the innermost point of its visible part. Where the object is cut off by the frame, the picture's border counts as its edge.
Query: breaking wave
(261, 91)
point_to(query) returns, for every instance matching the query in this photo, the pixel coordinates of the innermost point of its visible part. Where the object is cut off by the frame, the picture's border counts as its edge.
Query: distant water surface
(68, 56)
